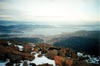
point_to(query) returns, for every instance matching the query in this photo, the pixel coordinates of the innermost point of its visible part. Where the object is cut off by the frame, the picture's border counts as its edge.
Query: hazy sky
(51, 11)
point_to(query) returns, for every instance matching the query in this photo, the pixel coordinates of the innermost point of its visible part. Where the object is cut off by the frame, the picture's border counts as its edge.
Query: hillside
(87, 41)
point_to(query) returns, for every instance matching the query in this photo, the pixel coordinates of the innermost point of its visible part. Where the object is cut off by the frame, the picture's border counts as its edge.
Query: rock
(32, 64)
(51, 53)
(27, 48)
(9, 64)
(25, 63)
(40, 55)
(46, 64)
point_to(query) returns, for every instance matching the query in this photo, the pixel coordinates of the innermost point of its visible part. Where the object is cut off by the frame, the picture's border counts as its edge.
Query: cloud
(50, 11)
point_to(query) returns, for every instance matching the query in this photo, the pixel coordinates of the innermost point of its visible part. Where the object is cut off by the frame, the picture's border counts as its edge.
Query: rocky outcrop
(61, 56)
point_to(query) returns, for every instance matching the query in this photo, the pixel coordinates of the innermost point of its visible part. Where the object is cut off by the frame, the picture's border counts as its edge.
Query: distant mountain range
(8, 29)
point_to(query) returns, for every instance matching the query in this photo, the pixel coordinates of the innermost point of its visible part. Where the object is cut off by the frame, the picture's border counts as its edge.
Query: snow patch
(42, 60)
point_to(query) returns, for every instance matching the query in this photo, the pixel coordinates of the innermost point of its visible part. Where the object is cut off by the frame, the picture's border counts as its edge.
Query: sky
(53, 12)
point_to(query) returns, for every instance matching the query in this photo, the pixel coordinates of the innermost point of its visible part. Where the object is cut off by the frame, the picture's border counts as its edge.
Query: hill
(87, 41)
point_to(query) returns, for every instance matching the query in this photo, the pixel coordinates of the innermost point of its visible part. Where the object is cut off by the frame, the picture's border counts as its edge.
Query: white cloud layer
(51, 11)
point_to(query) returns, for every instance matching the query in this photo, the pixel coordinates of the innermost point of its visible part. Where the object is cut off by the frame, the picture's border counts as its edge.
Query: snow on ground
(79, 54)
(9, 43)
(2, 63)
(37, 61)
(20, 47)
(93, 60)
(42, 60)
